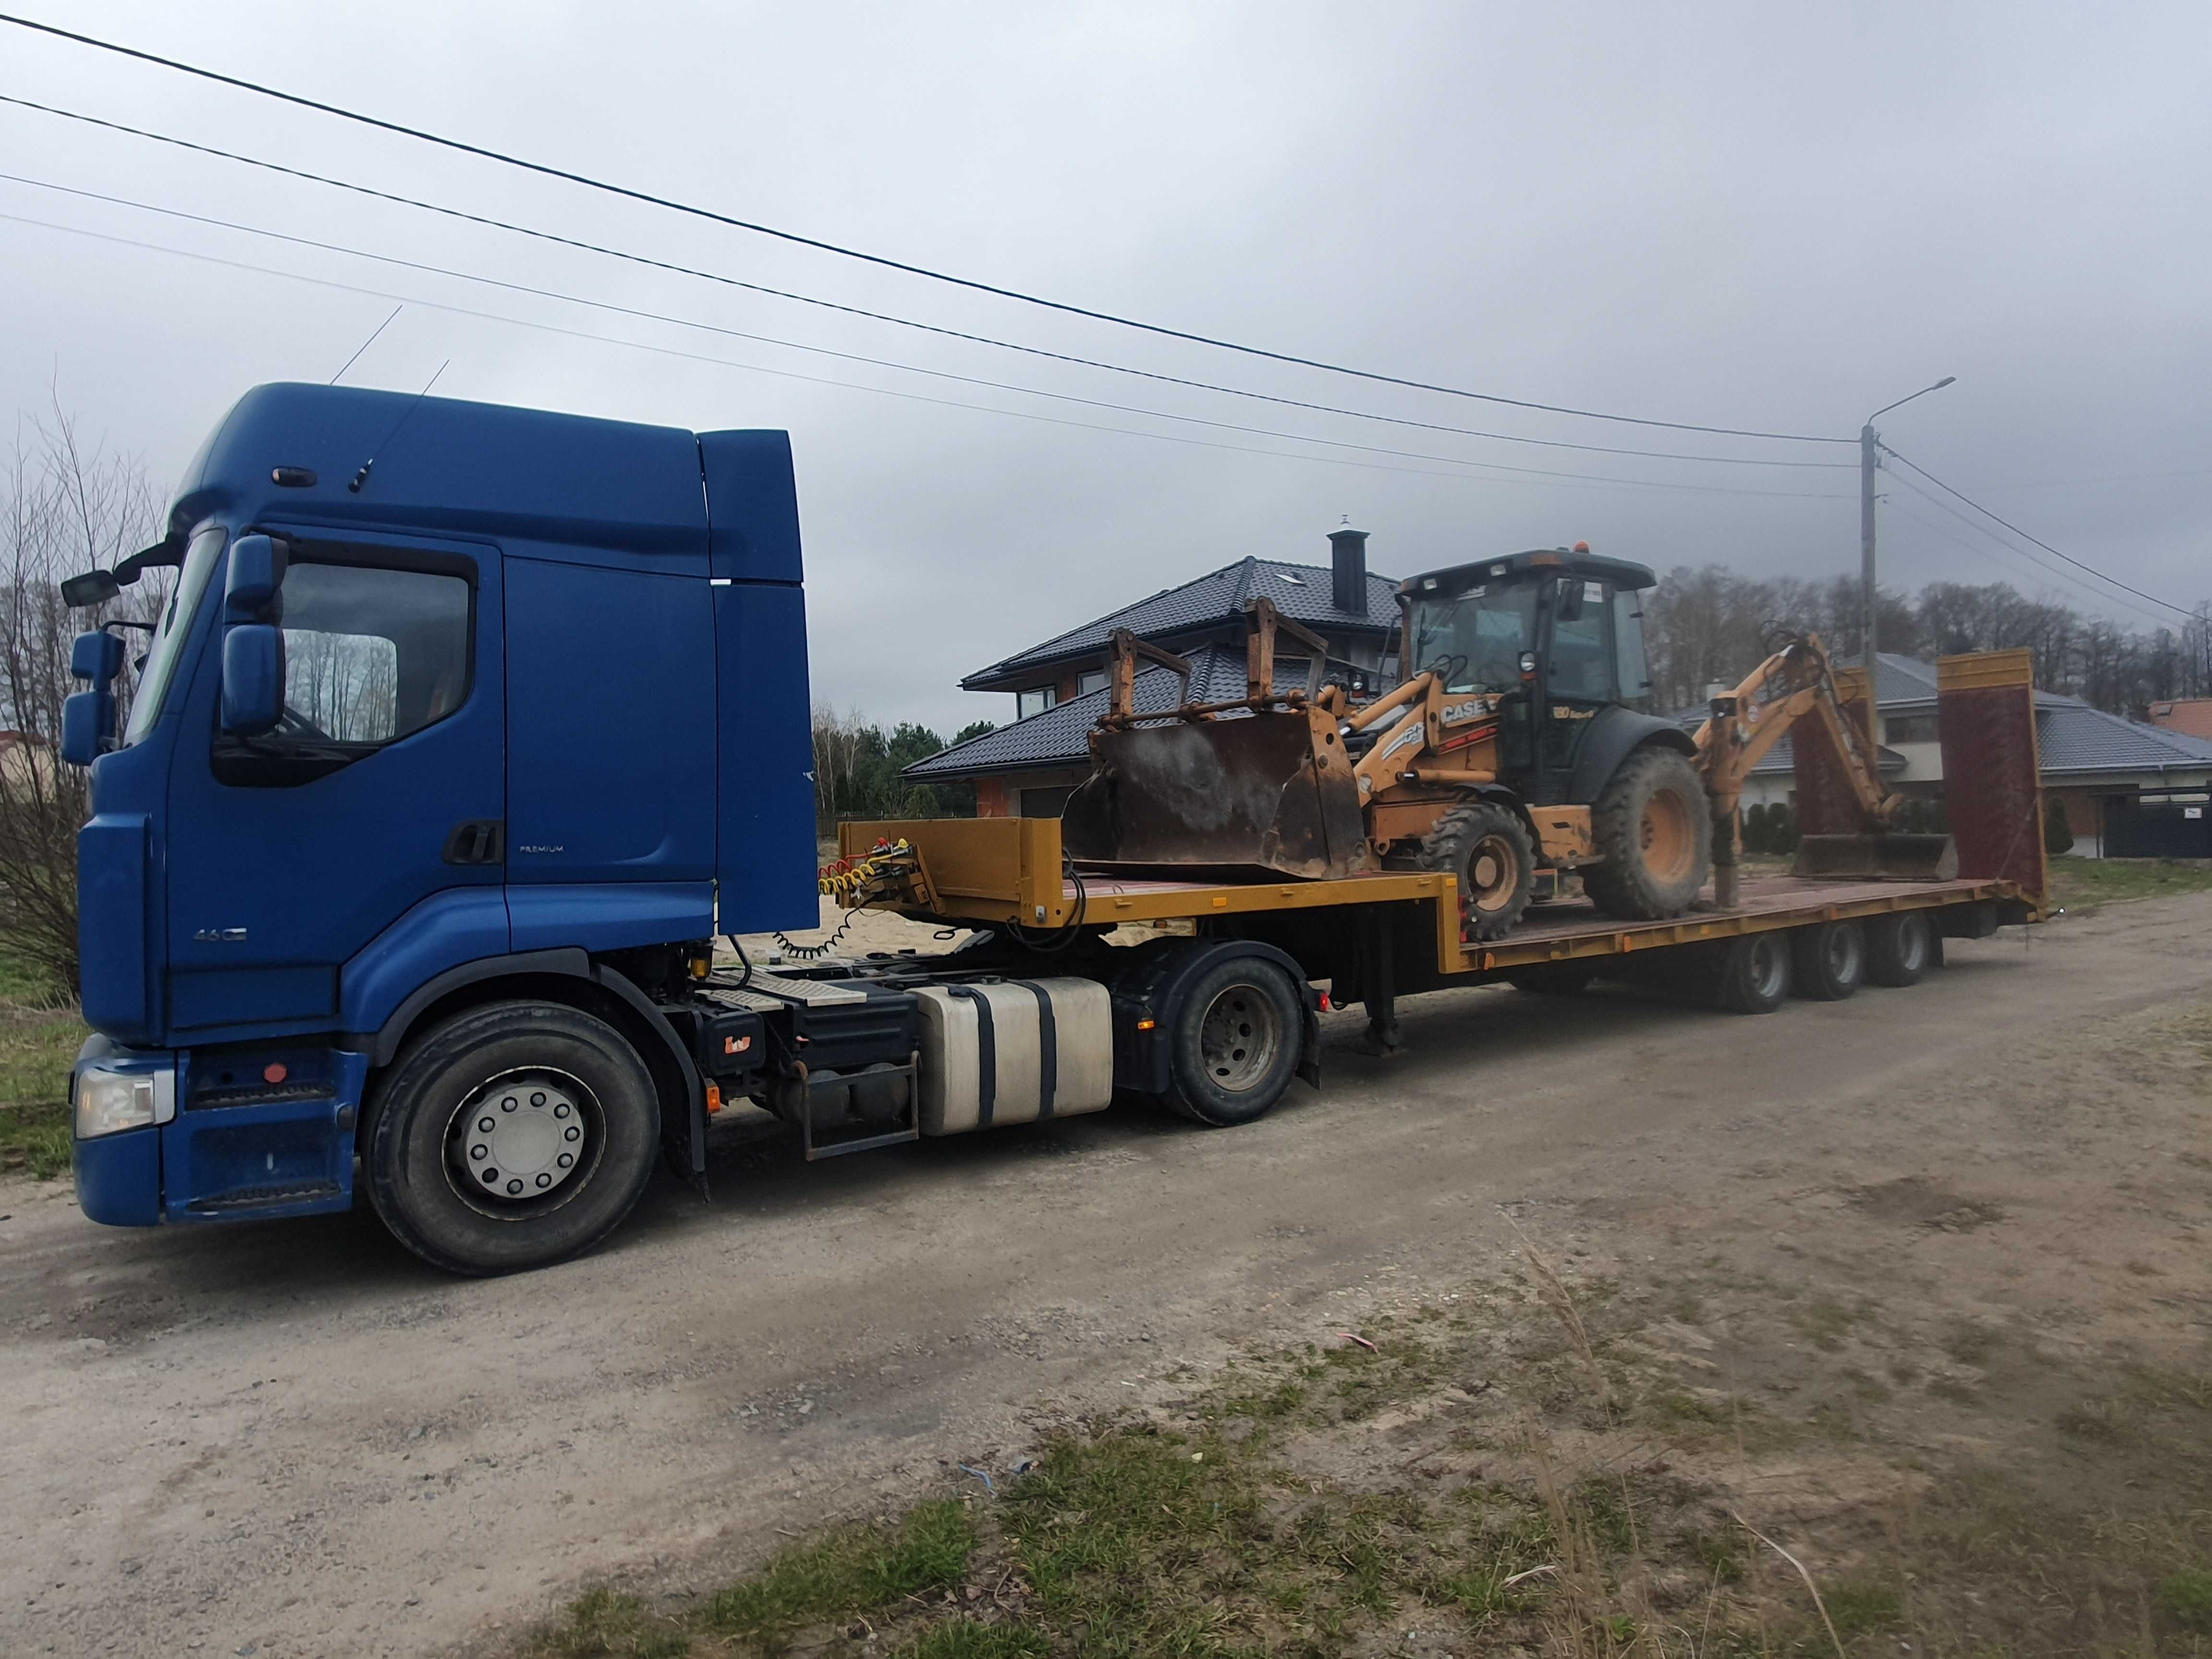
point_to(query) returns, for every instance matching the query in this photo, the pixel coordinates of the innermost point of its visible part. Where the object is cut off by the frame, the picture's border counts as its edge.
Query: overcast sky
(1752, 215)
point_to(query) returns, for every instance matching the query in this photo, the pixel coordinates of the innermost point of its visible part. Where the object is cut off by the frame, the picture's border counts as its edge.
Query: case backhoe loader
(1517, 745)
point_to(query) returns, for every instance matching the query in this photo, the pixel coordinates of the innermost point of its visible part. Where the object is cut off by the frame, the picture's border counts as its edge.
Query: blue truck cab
(464, 732)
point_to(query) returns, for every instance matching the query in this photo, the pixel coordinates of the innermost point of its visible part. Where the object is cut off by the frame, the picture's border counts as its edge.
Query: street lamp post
(1870, 447)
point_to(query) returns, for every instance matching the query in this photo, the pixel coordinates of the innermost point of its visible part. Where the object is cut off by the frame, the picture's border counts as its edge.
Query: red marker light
(275, 1071)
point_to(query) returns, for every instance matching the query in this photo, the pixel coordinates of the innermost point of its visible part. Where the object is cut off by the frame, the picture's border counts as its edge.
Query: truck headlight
(109, 1102)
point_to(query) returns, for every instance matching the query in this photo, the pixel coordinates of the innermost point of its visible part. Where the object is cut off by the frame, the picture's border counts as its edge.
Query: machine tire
(559, 1083)
(1487, 847)
(1755, 973)
(1561, 979)
(1830, 960)
(1235, 1042)
(1650, 827)
(1900, 947)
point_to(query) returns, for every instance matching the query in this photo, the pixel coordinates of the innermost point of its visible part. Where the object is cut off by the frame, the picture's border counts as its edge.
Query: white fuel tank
(1013, 1052)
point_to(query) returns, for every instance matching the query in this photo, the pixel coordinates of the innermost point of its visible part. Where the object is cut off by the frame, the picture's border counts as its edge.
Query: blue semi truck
(465, 731)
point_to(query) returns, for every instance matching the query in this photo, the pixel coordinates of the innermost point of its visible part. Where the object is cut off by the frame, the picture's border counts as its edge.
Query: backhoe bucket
(1878, 858)
(1268, 790)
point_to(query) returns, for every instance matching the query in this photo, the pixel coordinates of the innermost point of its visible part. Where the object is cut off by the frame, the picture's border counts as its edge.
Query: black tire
(1830, 960)
(1235, 1042)
(1900, 947)
(1560, 979)
(1755, 973)
(558, 1083)
(1486, 848)
(1651, 830)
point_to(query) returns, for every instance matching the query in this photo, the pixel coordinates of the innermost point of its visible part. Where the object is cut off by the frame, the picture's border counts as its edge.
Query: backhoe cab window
(1474, 639)
(1581, 643)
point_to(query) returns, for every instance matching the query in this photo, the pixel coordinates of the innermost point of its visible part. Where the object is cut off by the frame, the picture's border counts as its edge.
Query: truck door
(1578, 678)
(379, 797)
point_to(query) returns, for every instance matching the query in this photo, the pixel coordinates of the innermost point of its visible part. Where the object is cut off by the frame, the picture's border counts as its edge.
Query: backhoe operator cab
(1522, 739)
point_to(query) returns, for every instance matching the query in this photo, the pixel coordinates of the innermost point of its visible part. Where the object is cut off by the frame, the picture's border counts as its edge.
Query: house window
(1036, 703)
(1908, 729)
(1091, 679)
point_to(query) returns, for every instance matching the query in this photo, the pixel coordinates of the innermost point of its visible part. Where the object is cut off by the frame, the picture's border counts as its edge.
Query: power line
(546, 170)
(2024, 536)
(1572, 480)
(1981, 552)
(652, 262)
(874, 363)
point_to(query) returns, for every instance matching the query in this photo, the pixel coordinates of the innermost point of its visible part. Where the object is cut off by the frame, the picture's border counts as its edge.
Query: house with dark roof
(1026, 768)
(2130, 790)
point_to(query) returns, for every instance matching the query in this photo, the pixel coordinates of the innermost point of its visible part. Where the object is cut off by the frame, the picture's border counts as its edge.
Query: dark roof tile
(1303, 592)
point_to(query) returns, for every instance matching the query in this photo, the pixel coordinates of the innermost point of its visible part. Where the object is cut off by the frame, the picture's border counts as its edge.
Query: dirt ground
(1946, 1212)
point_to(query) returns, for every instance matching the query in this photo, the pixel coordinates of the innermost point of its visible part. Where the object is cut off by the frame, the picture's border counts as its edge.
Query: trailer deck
(996, 872)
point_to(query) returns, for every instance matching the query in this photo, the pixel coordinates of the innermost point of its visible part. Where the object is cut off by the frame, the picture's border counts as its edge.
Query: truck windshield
(176, 622)
(1474, 639)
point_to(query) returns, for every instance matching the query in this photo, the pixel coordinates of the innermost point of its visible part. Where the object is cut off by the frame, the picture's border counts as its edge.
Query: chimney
(1347, 564)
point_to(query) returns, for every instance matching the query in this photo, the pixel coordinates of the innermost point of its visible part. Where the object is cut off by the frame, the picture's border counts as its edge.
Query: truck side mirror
(253, 646)
(253, 679)
(94, 587)
(257, 572)
(96, 658)
(87, 726)
(89, 717)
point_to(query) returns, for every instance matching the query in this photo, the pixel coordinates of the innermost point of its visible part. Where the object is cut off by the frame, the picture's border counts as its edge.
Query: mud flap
(1269, 790)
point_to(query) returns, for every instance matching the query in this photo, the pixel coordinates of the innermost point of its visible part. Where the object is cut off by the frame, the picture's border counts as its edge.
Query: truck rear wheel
(1650, 828)
(1899, 947)
(1235, 1042)
(1832, 959)
(512, 1135)
(1486, 848)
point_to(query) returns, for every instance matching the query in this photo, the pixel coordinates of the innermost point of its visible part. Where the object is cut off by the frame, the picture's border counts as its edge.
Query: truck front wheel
(510, 1135)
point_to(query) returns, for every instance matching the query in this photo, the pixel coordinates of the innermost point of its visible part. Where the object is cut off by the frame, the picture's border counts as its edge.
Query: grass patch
(35, 1138)
(1548, 1480)
(40, 1035)
(2084, 883)
(841, 1575)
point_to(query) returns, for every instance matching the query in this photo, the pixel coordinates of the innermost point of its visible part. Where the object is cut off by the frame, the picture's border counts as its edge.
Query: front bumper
(235, 1146)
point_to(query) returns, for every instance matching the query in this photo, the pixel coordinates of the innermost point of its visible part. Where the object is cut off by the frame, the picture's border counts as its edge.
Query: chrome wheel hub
(1239, 1037)
(521, 1135)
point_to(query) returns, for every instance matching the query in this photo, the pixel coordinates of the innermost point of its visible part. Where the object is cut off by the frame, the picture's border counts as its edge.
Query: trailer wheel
(1899, 947)
(1651, 828)
(1832, 959)
(512, 1135)
(1755, 973)
(1486, 848)
(1236, 1040)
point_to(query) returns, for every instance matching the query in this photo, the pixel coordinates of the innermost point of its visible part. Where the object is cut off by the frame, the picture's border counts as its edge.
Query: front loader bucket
(1878, 858)
(1268, 790)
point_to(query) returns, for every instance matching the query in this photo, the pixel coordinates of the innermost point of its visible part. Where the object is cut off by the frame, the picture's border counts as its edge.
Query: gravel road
(292, 1439)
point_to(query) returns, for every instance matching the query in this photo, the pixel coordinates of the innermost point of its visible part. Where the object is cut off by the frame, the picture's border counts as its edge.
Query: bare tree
(63, 509)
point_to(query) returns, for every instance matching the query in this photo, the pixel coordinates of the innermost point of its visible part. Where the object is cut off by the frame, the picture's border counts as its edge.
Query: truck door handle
(479, 840)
